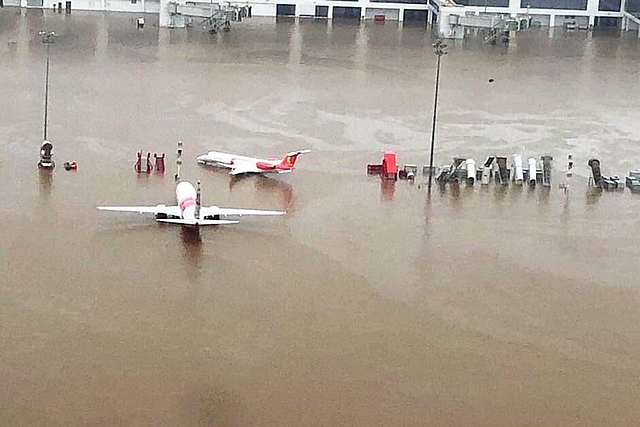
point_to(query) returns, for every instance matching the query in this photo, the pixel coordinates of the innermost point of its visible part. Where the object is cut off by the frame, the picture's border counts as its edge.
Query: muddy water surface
(366, 304)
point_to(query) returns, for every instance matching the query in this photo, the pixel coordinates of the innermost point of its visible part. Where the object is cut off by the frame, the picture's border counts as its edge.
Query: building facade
(453, 18)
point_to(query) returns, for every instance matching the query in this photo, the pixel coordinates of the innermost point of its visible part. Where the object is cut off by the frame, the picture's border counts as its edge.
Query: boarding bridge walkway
(454, 21)
(479, 21)
(631, 21)
(215, 17)
(634, 16)
(497, 25)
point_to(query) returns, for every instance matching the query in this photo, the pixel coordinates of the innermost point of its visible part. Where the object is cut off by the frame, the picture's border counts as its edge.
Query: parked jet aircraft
(189, 211)
(242, 164)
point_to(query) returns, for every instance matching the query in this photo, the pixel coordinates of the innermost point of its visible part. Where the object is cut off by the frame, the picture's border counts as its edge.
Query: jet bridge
(631, 21)
(454, 20)
(498, 26)
(212, 17)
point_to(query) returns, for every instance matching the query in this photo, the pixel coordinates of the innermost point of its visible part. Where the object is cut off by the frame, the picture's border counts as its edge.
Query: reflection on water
(543, 194)
(455, 191)
(45, 180)
(281, 190)
(191, 245)
(566, 207)
(500, 193)
(388, 189)
(266, 186)
(593, 195)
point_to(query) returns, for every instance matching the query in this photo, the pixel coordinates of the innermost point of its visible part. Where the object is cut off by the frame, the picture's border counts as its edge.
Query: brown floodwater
(365, 305)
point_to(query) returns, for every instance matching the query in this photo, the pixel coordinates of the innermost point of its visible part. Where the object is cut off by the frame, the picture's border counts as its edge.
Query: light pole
(439, 48)
(47, 39)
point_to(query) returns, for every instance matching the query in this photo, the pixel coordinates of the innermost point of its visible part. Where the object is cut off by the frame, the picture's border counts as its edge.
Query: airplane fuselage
(230, 160)
(186, 198)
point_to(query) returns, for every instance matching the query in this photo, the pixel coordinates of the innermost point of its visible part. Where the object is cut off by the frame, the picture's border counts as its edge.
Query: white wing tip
(293, 153)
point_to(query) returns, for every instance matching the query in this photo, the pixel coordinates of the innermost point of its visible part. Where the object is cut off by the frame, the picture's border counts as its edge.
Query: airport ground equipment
(46, 156)
(596, 179)
(518, 170)
(495, 168)
(471, 171)
(595, 176)
(408, 172)
(159, 162)
(547, 165)
(143, 165)
(176, 176)
(388, 169)
(633, 181)
(70, 166)
(454, 172)
(532, 172)
(500, 171)
(612, 183)
(484, 172)
(425, 170)
(462, 169)
(570, 165)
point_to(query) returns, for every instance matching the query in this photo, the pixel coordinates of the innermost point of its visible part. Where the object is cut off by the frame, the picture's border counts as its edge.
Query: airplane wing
(210, 159)
(215, 210)
(159, 209)
(201, 222)
(244, 168)
(224, 165)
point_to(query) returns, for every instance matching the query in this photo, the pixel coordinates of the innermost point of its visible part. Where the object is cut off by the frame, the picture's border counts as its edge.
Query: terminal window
(633, 6)
(484, 3)
(555, 4)
(609, 5)
(401, 1)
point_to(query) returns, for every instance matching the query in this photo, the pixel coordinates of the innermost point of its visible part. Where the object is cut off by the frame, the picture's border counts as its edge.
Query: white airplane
(243, 164)
(189, 211)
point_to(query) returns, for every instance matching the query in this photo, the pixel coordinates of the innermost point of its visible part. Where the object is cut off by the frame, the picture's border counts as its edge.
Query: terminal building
(452, 18)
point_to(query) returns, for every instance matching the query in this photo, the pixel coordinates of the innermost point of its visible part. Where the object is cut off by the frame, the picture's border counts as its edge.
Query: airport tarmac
(365, 305)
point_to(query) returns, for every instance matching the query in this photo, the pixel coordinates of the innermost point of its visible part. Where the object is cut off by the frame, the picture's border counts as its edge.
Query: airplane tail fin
(289, 160)
(198, 201)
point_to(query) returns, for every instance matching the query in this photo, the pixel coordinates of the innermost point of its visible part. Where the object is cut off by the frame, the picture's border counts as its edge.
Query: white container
(533, 171)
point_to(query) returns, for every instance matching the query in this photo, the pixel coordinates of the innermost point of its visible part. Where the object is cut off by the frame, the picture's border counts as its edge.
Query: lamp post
(439, 48)
(47, 39)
